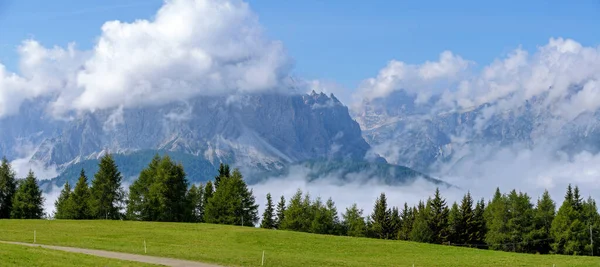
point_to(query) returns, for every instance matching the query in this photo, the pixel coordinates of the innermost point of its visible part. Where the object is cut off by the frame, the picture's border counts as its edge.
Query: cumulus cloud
(190, 48)
(563, 74)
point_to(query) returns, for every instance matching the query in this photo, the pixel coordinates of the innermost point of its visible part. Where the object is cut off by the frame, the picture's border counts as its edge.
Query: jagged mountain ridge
(422, 137)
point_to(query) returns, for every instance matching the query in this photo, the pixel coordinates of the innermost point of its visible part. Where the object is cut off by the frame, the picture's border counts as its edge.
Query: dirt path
(121, 256)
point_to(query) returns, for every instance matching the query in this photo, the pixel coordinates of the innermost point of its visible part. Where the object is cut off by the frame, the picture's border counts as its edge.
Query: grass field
(16, 255)
(237, 246)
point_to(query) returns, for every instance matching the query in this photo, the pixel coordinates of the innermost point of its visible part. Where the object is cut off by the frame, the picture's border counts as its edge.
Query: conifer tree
(106, 194)
(454, 225)
(333, 220)
(62, 204)
(196, 204)
(143, 205)
(592, 218)
(543, 216)
(396, 223)
(466, 229)
(381, 219)
(353, 222)
(224, 172)
(209, 192)
(232, 203)
(479, 223)
(319, 223)
(421, 232)
(267, 220)
(80, 198)
(567, 230)
(28, 201)
(407, 219)
(280, 212)
(439, 218)
(496, 217)
(8, 187)
(294, 214)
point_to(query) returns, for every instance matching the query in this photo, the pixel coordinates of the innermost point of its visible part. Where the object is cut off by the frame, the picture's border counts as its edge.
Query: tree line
(507, 222)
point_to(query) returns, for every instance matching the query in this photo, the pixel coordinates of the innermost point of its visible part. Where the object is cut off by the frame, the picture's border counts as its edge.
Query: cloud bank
(191, 47)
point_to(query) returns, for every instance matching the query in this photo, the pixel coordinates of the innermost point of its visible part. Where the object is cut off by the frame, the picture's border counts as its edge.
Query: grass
(237, 246)
(16, 255)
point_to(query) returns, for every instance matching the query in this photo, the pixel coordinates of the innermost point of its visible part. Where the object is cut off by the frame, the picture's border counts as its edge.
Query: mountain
(424, 136)
(262, 134)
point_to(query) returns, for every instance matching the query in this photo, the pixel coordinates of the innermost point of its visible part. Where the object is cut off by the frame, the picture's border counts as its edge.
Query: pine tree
(479, 223)
(106, 194)
(592, 218)
(439, 218)
(520, 221)
(396, 223)
(319, 223)
(62, 204)
(353, 222)
(334, 226)
(297, 216)
(381, 219)
(196, 204)
(28, 201)
(567, 230)
(142, 205)
(420, 229)
(496, 218)
(232, 203)
(267, 220)
(466, 230)
(8, 187)
(407, 219)
(80, 198)
(224, 172)
(280, 212)
(454, 225)
(544, 213)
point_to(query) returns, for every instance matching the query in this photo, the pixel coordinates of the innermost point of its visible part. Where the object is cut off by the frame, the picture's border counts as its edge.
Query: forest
(508, 221)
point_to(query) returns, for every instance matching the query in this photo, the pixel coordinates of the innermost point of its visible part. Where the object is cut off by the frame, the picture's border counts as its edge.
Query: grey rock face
(266, 130)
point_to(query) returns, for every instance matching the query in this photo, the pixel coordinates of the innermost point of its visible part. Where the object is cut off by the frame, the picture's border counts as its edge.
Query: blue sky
(342, 41)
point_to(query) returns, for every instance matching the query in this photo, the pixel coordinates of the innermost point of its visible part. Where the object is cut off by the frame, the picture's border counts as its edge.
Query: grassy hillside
(16, 255)
(236, 246)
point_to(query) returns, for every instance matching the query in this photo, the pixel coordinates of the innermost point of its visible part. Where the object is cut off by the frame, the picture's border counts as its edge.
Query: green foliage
(298, 214)
(439, 218)
(107, 196)
(496, 217)
(209, 191)
(381, 219)
(421, 232)
(160, 194)
(28, 201)
(224, 172)
(8, 187)
(543, 216)
(63, 210)
(407, 217)
(480, 227)
(268, 221)
(353, 222)
(232, 203)
(280, 212)
(520, 221)
(195, 200)
(79, 200)
(568, 230)
(454, 224)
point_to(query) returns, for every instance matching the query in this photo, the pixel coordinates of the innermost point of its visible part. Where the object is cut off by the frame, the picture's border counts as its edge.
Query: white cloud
(190, 48)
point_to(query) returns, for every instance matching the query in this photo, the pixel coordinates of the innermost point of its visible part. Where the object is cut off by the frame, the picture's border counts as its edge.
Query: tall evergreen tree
(421, 232)
(396, 223)
(28, 201)
(454, 225)
(232, 203)
(295, 214)
(479, 223)
(80, 198)
(62, 204)
(268, 221)
(496, 217)
(334, 226)
(106, 194)
(8, 187)
(466, 230)
(567, 230)
(209, 192)
(407, 219)
(353, 222)
(592, 218)
(520, 221)
(544, 213)
(142, 205)
(439, 218)
(319, 223)
(224, 172)
(280, 212)
(381, 219)
(196, 204)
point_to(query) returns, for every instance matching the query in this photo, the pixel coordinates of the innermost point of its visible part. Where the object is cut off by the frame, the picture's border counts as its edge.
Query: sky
(340, 41)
